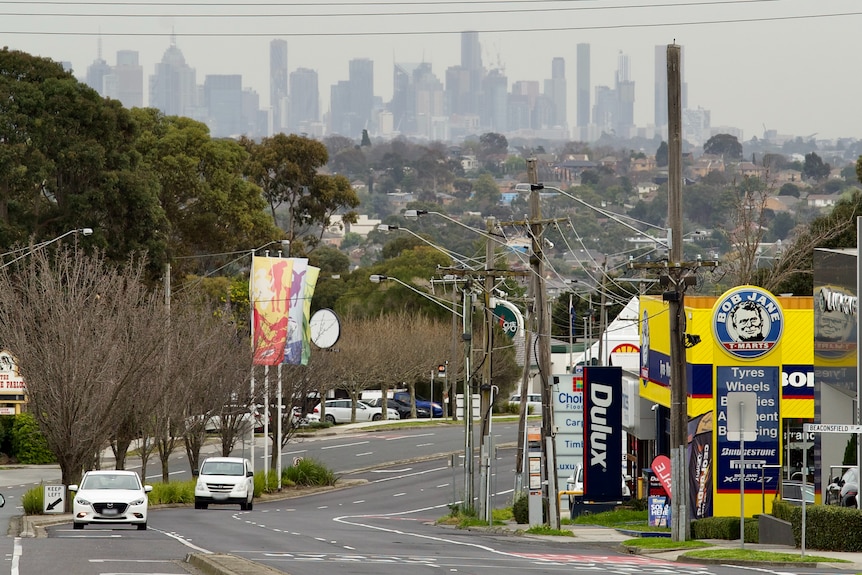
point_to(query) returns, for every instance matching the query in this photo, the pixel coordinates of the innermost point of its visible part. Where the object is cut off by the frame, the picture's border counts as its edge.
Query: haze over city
(753, 64)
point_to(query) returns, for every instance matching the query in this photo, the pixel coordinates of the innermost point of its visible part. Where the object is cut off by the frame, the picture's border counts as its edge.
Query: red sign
(661, 468)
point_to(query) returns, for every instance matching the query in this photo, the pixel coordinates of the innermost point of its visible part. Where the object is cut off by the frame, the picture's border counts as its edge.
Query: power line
(433, 32)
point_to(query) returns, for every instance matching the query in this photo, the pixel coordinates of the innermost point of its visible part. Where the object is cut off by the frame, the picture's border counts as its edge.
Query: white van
(534, 402)
(225, 480)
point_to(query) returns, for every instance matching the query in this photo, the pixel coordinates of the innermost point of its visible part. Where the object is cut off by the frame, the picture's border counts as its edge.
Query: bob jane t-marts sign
(748, 322)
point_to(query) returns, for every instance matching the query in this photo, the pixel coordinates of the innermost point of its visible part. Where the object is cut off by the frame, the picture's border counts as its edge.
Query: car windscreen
(105, 481)
(223, 468)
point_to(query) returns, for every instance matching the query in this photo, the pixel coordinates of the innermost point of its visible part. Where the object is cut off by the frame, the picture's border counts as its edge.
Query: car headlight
(138, 501)
(82, 501)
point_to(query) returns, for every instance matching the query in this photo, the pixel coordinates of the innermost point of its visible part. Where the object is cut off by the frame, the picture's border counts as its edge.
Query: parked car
(403, 409)
(339, 411)
(791, 492)
(227, 480)
(575, 483)
(110, 497)
(534, 402)
(435, 408)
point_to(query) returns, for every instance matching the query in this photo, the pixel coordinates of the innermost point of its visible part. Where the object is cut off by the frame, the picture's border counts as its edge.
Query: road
(385, 526)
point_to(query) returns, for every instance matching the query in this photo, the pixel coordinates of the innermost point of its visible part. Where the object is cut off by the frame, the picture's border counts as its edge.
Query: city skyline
(751, 67)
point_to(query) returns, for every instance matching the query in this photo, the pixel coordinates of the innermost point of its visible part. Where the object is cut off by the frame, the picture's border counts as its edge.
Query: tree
(208, 204)
(724, 145)
(814, 168)
(486, 193)
(68, 161)
(366, 140)
(286, 170)
(789, 189)
(661, 155)
(86, 336)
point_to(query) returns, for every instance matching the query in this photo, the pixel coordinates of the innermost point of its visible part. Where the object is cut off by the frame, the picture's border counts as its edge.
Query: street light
(415, 214)
(29, 250)
(378, 278)
(462, 260)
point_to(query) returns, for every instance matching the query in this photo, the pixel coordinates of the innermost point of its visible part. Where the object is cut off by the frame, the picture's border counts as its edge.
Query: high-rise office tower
(457, 91)
(129, 79)
(97, 71)
(173, 88)
(471, 60)
(403, 104)
(278, 84)
(555, 92)
(661, 119)
(495, 105)
(361, 79)
(340, 116)
(428, 90)
(223, 100)
(625, 88)
(583, 85)
(304, 100)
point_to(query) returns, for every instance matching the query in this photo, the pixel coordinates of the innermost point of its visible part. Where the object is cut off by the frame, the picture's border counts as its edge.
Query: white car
(110, 497)
(534, 402)
(575, 483)
(225, 480)
(338, 411)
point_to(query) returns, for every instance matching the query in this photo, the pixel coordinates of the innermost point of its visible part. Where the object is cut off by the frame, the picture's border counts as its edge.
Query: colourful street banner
(269, 292)
(310, 283)
(295, 328)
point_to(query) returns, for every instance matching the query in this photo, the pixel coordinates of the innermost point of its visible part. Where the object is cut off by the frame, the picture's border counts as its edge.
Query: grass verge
(663, 543)
(754, 555)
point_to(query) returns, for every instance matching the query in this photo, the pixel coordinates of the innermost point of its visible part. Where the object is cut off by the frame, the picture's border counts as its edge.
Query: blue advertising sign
(603, 433)
(765, 450)
(659, 511)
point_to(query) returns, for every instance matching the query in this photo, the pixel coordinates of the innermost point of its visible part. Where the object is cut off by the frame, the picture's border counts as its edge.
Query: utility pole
(680, 527)
(485, 447)
(543, 342)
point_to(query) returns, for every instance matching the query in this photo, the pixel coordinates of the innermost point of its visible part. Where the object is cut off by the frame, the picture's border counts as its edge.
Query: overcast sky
(787, 65)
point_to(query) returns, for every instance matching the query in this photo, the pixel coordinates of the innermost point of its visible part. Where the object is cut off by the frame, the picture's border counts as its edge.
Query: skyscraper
(361, 107)
(129, 79)
(304, 100)
(223, 100)
(173, 88)
(555, 92)
(471, 60)
(624, 122)
(278, 84)
(97, 71)
(583, 85)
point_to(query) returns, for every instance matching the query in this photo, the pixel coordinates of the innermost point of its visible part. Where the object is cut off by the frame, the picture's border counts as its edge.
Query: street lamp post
(36, 247)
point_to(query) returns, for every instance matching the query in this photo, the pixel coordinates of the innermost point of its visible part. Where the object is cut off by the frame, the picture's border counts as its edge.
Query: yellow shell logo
(626, 348)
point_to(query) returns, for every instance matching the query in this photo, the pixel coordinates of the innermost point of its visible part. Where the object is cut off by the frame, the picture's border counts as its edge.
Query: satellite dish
(325, 328)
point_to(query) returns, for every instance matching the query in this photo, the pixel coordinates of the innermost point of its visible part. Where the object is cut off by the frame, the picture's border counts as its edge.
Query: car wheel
(142, 526)
(376, 417)
(849, 501)
(244, 506)
(251, 505)
(330, 419)
(78, 525)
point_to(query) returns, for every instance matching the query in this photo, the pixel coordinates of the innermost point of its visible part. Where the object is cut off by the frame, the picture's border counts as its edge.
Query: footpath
(612, 539)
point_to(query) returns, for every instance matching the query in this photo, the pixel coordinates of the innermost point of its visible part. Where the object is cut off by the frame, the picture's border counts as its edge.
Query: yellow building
(749, 373)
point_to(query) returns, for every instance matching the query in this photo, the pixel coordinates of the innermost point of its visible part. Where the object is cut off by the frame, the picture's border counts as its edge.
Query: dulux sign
(603, 435)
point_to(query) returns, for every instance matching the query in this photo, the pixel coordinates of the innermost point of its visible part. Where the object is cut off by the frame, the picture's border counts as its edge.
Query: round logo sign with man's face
(835, 312)
(747, 322)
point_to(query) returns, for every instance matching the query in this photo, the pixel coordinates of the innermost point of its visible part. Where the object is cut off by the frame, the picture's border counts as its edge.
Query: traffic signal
(441, 370)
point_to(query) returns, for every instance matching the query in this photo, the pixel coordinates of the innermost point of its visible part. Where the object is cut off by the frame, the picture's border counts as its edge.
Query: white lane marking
(359, 501)
(410, 437)
(410, 474)
(398, 494)
(391, 470)
(159, 475)
(424, 444)
(364, 454)
(17, 552)
(294, 452)
(442, 485)
(345, 445)
(183, 541)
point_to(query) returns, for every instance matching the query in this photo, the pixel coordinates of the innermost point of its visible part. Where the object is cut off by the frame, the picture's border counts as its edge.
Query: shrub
(33, 500)
(521, 510)
(173, 492)
(307, 473)
(724, 528)
(29, 445)
(827, 527)
(265, 483)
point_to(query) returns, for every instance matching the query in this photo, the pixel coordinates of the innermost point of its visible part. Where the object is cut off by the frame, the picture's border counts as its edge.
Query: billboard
(603, 433)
